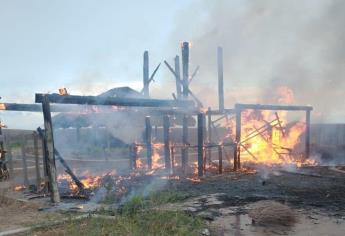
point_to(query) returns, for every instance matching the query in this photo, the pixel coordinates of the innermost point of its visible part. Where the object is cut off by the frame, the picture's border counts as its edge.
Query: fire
(19, 188)
(268, 138)
(2, 106)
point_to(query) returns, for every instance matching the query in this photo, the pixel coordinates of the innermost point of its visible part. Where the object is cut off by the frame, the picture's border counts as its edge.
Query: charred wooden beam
(209, 133)
(178, 75)
(49, 152)
(220, 78)
(133, 156)
(45, 163)
(185, 142)
(68, 170)
(148, 140)
(113, 101)
(220, 159)
(272, 107)
(146, 82)
(24, 162)
(37, 161)
(201, 122)
(185, 68)
(237, 149)
(166, 134)
(307, 134)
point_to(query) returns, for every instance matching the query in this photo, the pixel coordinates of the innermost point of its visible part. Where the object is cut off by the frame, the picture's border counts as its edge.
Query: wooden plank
(49, 152)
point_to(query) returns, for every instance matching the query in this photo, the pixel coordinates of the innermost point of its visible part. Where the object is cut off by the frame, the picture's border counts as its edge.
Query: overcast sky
(87, 46)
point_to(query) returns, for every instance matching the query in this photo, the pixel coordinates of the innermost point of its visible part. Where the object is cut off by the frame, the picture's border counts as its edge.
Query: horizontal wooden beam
(114, 101)
(272, 107)
(37, 107)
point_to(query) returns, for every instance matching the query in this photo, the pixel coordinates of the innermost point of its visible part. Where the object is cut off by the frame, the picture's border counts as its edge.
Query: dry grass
(272, 213)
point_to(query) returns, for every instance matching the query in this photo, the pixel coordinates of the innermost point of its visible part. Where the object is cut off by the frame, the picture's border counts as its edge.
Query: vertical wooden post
(25, 165)
(166, 130)
(237, 149)
(148, 139)
(209, 134)
(185, 143)
(220, 159)
(172, 151)
(49, 151)
(185, 68)
(37, 161)
(201, 118)
(146, 75)
(9, 157)
(133, 156)
(307, 134)
(220, 79)
(178, 74)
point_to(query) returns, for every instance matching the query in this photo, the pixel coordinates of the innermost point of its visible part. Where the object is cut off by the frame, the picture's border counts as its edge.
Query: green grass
(139, 216)
(144, 222)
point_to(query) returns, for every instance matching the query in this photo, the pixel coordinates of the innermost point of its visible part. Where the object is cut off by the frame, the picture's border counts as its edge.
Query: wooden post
(307, 134)
(220, 159)
(166, 130)
(178, 77)
(237, 149)
(49, 151)
(201, 118)
(37, 161)
(185, 143)
(172, 151)
(146, 74)
(133, 156)
(148, 139)
(25, 165)
(220, 79)
(185, 68)
(9, 158)
(209, 134)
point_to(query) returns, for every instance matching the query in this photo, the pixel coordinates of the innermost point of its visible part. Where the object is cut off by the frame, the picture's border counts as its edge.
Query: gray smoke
(299, 44)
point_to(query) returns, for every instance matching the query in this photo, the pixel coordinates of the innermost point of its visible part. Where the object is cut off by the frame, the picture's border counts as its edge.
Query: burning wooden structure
(185, 104)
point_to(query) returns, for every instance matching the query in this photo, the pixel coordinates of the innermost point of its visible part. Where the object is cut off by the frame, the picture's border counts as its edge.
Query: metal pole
(201, 118)
(220, 78)
(166, 130)
(148, 132)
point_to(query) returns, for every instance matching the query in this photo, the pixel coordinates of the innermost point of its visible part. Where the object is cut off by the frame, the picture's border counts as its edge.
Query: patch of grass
(166, 196)
(146, 222)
